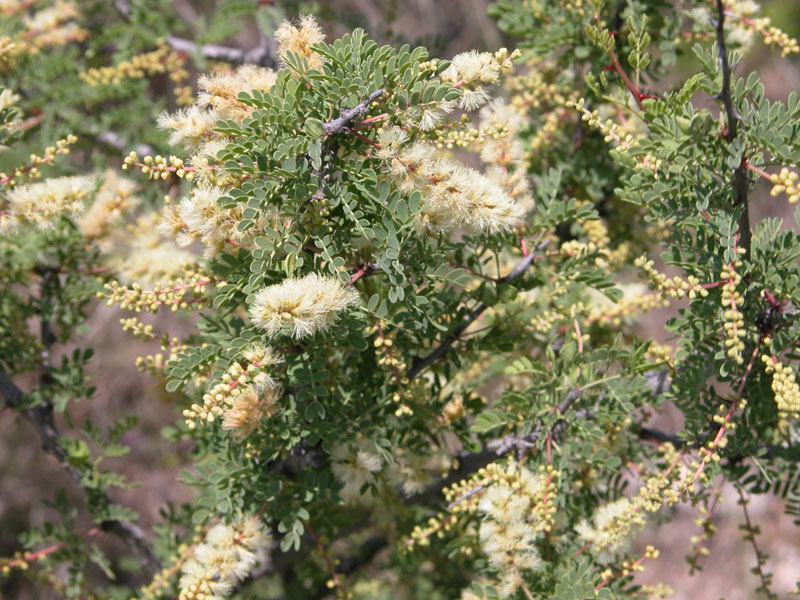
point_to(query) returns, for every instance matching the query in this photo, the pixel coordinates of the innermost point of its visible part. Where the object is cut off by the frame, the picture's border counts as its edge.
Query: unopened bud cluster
(785, 182)
(733, 319)
(392, 361)
(138, 329)
(461, 497)
(782, 40)
(708, 530)
(670, 287)
(784, 385)
(160, 60)
(460, 136)
(173, 293)
(773, 35)
(610, 129)
(159, 167)
(16, 561)
(30, 170)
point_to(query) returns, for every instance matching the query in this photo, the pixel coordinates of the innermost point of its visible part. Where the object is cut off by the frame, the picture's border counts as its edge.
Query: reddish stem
(366, 139)
(379, 117)
(757, 170)
(637, 94)
(358, 274)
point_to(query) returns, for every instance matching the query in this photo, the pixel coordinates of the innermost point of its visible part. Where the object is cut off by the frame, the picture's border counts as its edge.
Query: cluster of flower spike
(517, 504)
(298, 39)
(504, 153)
(199, 215)
(512, 523)
(470, 71)
(53, 25)
(242, 395)
(112, 201)
(355, 466)
(734, 321)
(42, 204)
(226, 557)
(613, 525)
(457, 196)
(671, 287)
(160, 60)
(217, 98)
(785, 182)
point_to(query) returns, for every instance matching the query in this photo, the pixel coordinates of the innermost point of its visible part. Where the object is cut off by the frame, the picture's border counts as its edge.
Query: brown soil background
(29, 475)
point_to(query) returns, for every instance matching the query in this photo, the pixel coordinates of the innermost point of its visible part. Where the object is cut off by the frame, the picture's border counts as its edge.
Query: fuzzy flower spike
(299, 40)
(301, 307)
(226, 557)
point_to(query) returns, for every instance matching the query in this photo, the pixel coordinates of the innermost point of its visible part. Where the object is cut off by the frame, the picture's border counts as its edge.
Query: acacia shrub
(406, 376)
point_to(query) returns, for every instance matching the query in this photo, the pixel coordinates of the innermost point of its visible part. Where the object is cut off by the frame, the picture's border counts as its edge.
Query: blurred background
(28, 475)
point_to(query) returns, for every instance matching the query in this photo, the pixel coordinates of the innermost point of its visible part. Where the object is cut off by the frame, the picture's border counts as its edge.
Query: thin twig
(760, 556)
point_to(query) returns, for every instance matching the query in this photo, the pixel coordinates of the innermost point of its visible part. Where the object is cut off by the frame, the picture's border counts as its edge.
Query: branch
(342, 123)
(332, 129)
(420, 363)
(123, 8)
(471, 462)
(41, 417)
(259, 56)
(739, 180)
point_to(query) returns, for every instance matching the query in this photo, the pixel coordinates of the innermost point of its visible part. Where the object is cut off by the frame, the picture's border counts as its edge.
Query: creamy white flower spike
(301, 307)
(457, 196)
(355, 467)
(190, 126)
(220, 91)
(42, 204)
(226, 556)
(509, 531)
(613, 526)
(299, 39)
